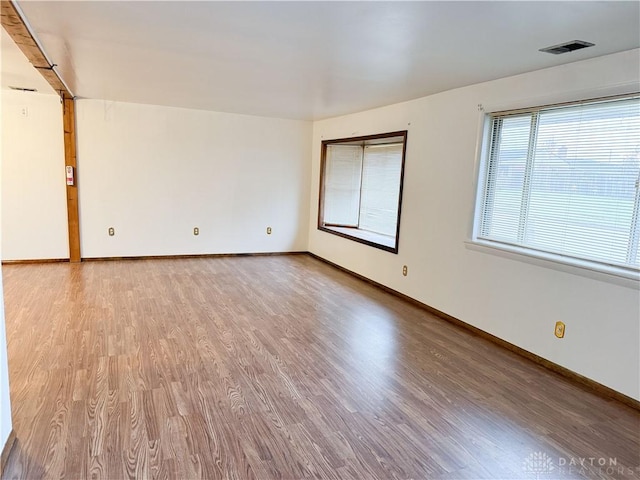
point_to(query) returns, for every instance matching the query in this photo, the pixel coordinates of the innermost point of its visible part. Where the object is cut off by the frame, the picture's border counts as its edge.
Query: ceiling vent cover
(567, 47)
(23, 89)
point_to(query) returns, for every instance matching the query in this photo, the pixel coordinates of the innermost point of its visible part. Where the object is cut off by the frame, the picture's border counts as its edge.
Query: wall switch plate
(268, 230)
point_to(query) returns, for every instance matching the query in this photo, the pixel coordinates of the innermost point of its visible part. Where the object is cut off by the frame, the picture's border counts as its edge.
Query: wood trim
(576, 378)
(364, 138)
(321, 188)
(400, 193)
(153, 257)
(197, 255)
(358, 239)
(323, 162)
(6, 450)
(73, 214)
(35, 260)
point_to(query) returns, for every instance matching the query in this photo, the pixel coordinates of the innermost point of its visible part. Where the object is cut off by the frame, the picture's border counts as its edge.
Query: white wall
(34, 209)
(515, 300)
(5, 400)
(154, 173)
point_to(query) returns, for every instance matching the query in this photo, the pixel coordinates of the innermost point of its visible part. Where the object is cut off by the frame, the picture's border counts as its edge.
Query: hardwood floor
(279, 367)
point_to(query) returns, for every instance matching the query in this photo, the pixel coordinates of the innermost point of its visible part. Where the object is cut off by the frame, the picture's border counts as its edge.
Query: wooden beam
(20, 34)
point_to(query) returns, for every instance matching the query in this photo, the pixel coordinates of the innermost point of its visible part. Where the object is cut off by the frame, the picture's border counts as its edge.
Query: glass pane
(382, 168)
(506, 177)
(343, 169)
(583, 181)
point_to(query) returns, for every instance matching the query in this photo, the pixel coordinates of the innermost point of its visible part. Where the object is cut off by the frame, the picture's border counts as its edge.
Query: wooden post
(69, 122)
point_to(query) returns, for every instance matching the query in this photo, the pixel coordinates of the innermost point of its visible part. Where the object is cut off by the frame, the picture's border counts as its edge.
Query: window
(361, 188)
(562, 182)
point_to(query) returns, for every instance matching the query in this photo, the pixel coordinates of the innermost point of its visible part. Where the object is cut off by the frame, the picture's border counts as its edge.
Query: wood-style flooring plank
(278, 367)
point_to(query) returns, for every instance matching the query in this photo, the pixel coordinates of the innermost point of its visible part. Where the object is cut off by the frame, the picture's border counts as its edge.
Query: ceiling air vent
(567, 47)
(23, 89)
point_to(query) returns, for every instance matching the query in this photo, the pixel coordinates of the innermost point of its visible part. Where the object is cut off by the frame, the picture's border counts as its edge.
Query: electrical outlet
(559, 330)
(268, 230)
(196, 231)
(405, 270)
(112, 231)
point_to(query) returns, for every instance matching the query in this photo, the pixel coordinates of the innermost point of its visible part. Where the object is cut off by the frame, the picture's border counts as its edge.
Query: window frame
(361, 236)
(600, 270)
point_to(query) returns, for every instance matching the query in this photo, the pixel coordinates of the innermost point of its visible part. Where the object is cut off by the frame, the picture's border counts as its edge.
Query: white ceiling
(311, 60)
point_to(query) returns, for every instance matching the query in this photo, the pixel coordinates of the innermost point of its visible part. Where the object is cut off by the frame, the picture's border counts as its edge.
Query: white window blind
(565, 180)
(343, 172)
(382, 167)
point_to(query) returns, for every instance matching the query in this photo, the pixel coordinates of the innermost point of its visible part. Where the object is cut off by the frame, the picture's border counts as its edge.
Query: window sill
(377, 240)
(584, 268)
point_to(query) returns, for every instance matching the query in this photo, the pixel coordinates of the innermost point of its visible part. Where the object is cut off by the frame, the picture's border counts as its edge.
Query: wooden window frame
(361, 238)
